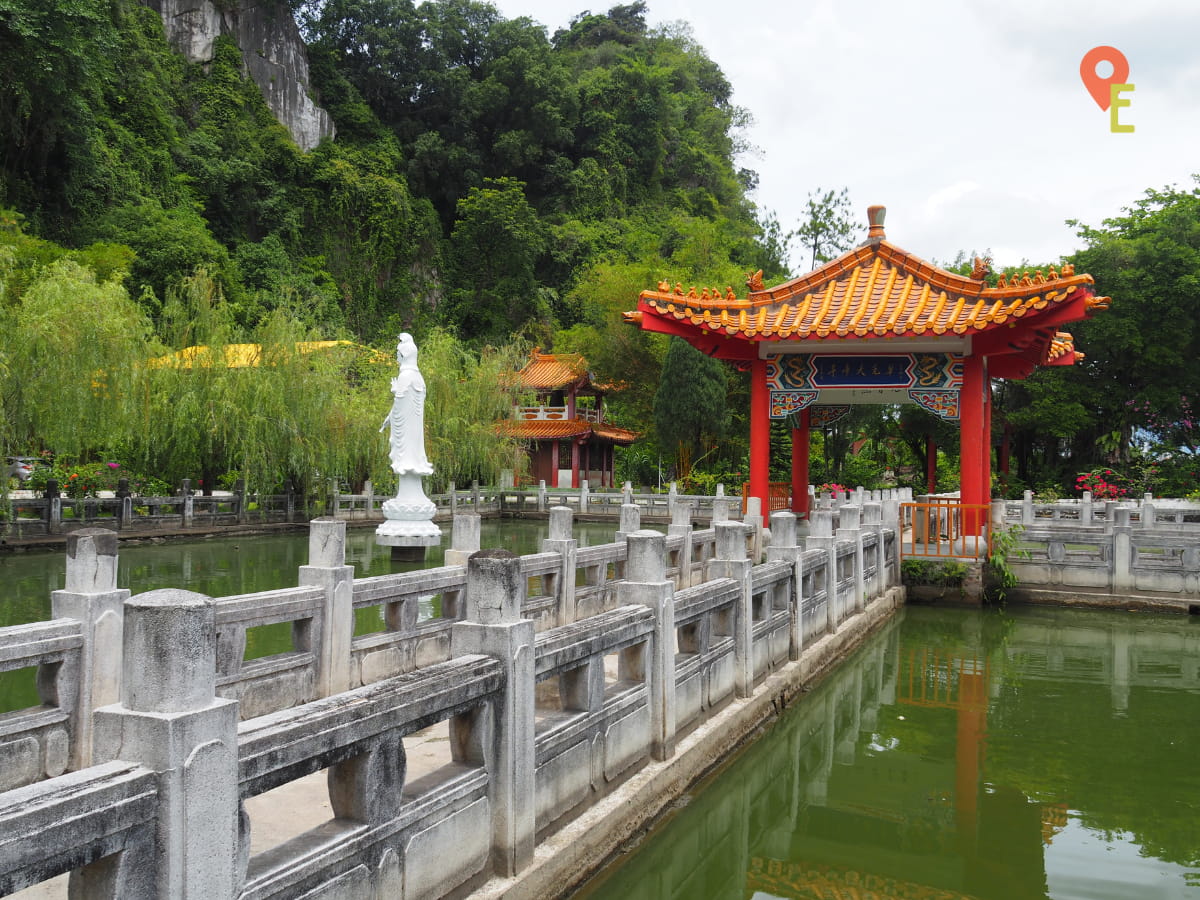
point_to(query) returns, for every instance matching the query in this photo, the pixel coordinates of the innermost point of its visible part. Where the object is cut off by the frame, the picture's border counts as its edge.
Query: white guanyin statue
(408, 515)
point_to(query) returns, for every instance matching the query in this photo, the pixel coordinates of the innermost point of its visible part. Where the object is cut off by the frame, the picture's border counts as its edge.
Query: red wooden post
(930, 464)
(760, 434)
(972, 441)
(800, 445)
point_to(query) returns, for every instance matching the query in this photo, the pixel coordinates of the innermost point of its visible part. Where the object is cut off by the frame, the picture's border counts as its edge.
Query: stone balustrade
(557, 676)
(1146, 512)
(1159, 563)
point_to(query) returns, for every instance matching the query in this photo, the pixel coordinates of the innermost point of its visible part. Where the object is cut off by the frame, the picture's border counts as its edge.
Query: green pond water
(992, 755)
(220, 566)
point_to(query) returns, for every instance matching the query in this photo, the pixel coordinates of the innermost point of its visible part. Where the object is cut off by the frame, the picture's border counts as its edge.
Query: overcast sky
(967, 119)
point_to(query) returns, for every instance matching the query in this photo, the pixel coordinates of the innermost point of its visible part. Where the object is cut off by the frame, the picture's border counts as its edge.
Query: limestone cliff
(272, 51)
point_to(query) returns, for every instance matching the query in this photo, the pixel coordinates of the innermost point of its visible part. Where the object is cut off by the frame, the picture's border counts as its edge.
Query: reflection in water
(959, 754)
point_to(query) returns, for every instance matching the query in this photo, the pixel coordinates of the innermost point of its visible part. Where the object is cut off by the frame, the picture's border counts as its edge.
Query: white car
(20, 467)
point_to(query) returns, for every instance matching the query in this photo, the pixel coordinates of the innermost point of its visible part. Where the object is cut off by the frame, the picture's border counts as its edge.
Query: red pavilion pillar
(930, 464)
(800, 446)
(574, 463)
(974, 443)
(760, 434)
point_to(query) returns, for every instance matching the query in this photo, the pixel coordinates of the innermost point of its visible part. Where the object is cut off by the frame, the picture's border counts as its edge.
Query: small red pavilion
(568, 422)
(878, 325)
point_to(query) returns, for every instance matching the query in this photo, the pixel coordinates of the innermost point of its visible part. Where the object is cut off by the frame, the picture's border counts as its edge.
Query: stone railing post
(784, 549)
(475, 496)
(53, 507)
(720, 510)
(631, 520)
(850, 530)
(583, 496)
(820, 537)
(369, 492)
(327, 570)
(186, 490)
(1149, 513)
(627, 493)
(1122, 557)
(541, 496)
(1027, 509)
(1110, 514)
(1086, 509)
(681, 524)
(754, 518)
(891, 522)
(493, 626)
(124, 506)
(464, 539)
(335, 499)
(731, 562)
(239, 501)
(873, 524)
(452, 489)
(289, 490)
(562, 541)
(170, 720)
(92, 598)
(646, 584)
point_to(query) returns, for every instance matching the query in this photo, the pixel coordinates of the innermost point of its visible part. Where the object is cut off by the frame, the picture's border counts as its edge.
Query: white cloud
(968, 121)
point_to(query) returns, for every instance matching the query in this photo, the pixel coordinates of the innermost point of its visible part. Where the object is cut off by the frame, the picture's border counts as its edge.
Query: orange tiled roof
(1062, 350)
(551, 371)
(877, 289)
(615, 434)
(543, 430)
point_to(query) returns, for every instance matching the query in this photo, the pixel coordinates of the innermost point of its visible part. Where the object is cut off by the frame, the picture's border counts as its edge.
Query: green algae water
(959, 755)
(223, 566)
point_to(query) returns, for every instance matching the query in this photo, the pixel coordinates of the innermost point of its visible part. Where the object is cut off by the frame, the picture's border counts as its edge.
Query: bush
(941, 573)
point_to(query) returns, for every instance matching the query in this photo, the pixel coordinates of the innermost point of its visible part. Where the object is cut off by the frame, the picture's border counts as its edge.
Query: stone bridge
(617, 673)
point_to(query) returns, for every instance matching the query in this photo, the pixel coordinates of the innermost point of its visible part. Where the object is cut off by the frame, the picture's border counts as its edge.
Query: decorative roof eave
(615, 434)
(667, 314)
(875, 290)
(554, 372)
(542, 430)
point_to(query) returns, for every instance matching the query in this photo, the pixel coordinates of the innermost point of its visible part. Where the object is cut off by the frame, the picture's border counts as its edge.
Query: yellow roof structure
(242, 356)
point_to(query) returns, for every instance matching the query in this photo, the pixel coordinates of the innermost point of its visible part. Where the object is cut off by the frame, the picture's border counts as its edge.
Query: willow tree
(468, 394)
(71, 363)
(270, 405)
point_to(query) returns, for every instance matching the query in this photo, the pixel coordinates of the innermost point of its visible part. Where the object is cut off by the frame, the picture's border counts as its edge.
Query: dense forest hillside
(488, 182)
(481, 171)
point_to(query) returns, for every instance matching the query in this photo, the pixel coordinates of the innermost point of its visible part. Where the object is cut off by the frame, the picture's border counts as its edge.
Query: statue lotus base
(408, 518)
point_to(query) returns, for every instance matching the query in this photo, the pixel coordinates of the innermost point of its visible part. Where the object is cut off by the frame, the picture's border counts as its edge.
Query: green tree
(828, 228)
(689, 407)
(494, 249)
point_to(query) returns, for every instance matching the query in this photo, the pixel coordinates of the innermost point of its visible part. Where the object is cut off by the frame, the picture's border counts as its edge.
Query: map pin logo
(1097, 86)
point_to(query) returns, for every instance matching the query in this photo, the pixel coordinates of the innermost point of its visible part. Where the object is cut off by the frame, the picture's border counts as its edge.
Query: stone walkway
(294, 808)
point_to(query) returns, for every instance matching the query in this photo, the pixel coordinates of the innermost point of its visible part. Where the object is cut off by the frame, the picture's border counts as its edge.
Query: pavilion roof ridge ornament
(875, 216)
(875, 290)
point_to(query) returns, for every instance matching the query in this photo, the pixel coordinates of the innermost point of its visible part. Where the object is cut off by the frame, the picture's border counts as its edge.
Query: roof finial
(875, 216)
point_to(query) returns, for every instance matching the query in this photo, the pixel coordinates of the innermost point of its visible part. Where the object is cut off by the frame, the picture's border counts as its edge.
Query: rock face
(272, 53)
